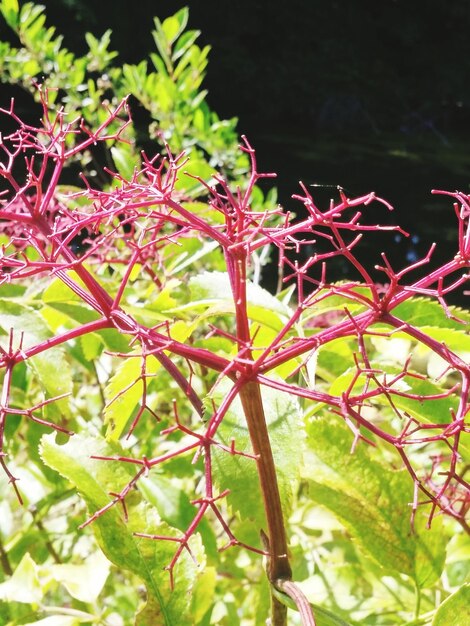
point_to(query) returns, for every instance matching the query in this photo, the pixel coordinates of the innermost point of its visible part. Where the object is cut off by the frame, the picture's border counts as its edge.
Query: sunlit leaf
(50, 367)
(426, 312)
(85, 581)
(146, 558)
(10, 10)
(64, 619)
(455, 610)
(124, 392)
(24, 585)
(211, 290)
(173, 26)
(124, 159)
(204, 593)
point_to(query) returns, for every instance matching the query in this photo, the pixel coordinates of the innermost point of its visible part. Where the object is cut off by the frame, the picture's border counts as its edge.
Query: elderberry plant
(201, 420)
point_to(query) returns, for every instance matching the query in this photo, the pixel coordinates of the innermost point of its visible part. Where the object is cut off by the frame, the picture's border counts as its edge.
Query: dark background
(366, 94)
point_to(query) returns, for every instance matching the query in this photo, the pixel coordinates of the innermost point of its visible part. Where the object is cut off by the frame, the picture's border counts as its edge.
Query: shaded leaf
(373, 502)
(174, 507)
(239, 473)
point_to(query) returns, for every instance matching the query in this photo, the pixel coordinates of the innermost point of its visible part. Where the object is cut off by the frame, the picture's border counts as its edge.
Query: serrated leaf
(27, 324)
(373, 502)
(95, 480)
(428, 312)
(435, 411)
(53, 370)
(239, 473)
(455, 610)
(174, 507)
(431, 411)
(51, 366)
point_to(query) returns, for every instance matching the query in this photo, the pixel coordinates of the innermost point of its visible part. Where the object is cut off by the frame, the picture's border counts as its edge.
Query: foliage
(165, 91)
(183, 446)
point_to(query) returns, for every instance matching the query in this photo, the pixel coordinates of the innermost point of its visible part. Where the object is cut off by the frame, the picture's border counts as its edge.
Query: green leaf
(455, 610)
(373, 502)
(431, 411)
(189, 258)
(239, 473)
(173, 26)
(435, 411)
(125, 160)
(194, 167)
(92, 346)
(10, 10)
(163, 46)
(25, 322)
(212, 289)
(427, 312)
(85, 581)
(146, 558)
(204, 593)
(175, 508)
(24, 585)
(61, 619)
(51, 366)
(124, 392)
(184, 43)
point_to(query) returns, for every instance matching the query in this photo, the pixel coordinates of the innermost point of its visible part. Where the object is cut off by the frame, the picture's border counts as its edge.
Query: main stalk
(278, 567)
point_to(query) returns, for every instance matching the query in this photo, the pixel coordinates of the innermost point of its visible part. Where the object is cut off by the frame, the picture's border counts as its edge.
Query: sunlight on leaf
(94, 480)
(455, 610)
(24, 585)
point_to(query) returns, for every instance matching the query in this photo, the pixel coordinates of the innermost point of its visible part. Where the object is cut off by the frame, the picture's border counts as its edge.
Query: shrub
(165, 90)
(160, 407)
